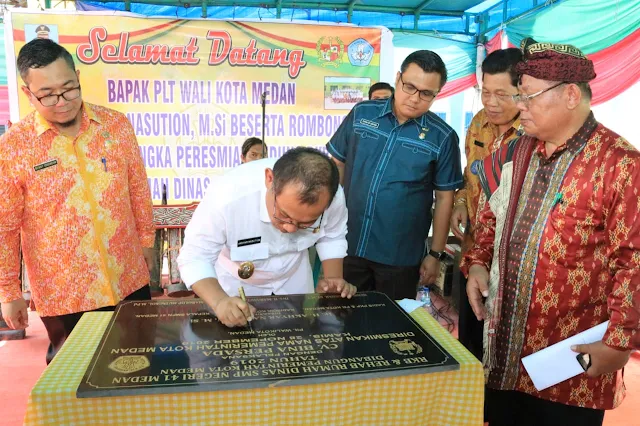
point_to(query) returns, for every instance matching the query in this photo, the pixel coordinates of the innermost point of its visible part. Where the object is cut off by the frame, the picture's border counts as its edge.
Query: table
(435, 399)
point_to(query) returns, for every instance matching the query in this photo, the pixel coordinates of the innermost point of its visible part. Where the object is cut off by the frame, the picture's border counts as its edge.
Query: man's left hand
(149, 257)
(603, 358)
(429, 270)
(336, 285)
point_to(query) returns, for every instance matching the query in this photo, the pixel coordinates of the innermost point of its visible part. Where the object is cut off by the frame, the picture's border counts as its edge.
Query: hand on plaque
(336, 285)
(233, 312)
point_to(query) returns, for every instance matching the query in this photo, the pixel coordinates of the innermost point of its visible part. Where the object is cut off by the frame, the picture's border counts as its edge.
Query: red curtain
(617, 68)
(4, 105)
(494, 43)
(457, 86)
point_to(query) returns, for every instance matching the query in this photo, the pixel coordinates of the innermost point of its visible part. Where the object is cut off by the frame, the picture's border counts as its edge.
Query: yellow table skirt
(433, 399)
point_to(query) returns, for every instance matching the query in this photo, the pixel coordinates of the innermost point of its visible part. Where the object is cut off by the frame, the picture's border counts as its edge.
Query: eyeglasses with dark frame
(525, 99)
(53, 99)
(410, 89)
(310, 226)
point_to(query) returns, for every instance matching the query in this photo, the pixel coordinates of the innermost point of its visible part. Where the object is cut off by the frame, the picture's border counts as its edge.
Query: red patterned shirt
(573, 261)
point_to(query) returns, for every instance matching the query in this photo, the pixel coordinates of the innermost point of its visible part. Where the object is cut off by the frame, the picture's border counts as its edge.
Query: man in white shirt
(253, 229)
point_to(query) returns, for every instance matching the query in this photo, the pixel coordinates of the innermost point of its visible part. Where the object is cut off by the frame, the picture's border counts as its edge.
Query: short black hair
(585, 88)
(311, 169)
(250, 143)
(380, 86)
(503, 60)
(428, 61)
(39, 53)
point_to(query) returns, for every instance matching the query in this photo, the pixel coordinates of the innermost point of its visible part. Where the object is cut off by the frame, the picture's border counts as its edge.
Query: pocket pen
(104, 163)
(557, 199)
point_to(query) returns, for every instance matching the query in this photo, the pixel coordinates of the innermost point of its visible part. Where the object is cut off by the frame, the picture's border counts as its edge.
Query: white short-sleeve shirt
(232, 225)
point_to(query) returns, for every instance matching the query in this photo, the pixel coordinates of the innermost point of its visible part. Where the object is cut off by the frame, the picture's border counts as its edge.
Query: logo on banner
(360, 52)
(42, 31)
(330, 51)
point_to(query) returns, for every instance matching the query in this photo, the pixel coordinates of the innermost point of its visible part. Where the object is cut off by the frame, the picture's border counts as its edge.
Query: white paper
(410, 305)
(558, 362)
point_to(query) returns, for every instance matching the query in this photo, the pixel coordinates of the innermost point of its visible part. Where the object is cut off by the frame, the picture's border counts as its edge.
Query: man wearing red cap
(557, 248)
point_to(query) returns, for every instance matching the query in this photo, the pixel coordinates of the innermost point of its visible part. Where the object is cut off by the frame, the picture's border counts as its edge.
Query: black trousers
(60, 327)
(470, 330)
(397, 282)
(511, 408)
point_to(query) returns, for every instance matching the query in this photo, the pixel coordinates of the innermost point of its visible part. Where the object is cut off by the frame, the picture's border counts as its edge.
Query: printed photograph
(345, 92)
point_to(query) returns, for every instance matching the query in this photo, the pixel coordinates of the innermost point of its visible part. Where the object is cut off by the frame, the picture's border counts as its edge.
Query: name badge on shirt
(478, 143)
(369, 123)
(45, 165)
(249, 241)
(250, 252)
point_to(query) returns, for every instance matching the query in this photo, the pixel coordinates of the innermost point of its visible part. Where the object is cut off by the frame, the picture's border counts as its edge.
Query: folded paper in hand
(558, 362)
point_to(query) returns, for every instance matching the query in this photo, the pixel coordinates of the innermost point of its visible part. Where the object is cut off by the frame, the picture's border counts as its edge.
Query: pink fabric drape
(457, 86)
(617, 68)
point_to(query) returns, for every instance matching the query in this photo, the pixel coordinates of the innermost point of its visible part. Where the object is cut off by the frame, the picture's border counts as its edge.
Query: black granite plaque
(155, 347)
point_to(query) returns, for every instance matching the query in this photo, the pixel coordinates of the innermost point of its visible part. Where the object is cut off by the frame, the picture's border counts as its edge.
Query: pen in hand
(244, 299)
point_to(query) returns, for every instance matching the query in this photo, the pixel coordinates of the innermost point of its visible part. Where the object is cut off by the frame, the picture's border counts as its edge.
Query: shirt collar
(516, 126)
(575, 143)
(264, 209)
(388, 109)
(88, 113)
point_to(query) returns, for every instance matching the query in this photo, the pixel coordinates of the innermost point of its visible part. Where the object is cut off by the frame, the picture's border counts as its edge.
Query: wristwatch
(440, 255)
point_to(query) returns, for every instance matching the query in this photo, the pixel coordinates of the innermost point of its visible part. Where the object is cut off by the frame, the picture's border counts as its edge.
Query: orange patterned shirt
(80, 208)
(483, 138)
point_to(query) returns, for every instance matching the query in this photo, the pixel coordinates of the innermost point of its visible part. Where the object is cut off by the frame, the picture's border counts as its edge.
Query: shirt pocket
(250, 253)
(366, 133)
(578, 226)
(417, 147)
(47, 184)
(414, 160)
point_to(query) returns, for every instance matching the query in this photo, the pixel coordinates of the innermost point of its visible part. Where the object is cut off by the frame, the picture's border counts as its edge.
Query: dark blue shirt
(391, 171)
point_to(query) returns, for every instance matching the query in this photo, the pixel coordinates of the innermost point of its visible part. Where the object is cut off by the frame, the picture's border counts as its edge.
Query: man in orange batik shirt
(74, 195)
(495, 125)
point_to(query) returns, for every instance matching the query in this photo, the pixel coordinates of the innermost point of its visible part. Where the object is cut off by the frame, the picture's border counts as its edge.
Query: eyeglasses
(500, 97)
(308, 225)
(525, 99)
(410, 89)
(53, 99)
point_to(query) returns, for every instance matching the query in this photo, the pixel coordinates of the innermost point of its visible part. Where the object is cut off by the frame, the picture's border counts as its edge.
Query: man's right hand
(477, 288)
(15, 314)
(459, 217)
(233, 312)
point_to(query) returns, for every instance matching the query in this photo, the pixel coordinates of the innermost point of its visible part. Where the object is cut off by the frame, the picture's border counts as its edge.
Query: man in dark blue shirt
(393, 154)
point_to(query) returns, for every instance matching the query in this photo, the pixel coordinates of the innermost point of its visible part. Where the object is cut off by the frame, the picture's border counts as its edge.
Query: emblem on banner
(41, 31)
(330, 51)
(405, 347)
(129, 364)
(360, 52)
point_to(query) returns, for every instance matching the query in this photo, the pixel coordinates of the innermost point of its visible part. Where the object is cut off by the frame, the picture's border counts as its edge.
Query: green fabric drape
(590, 25)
